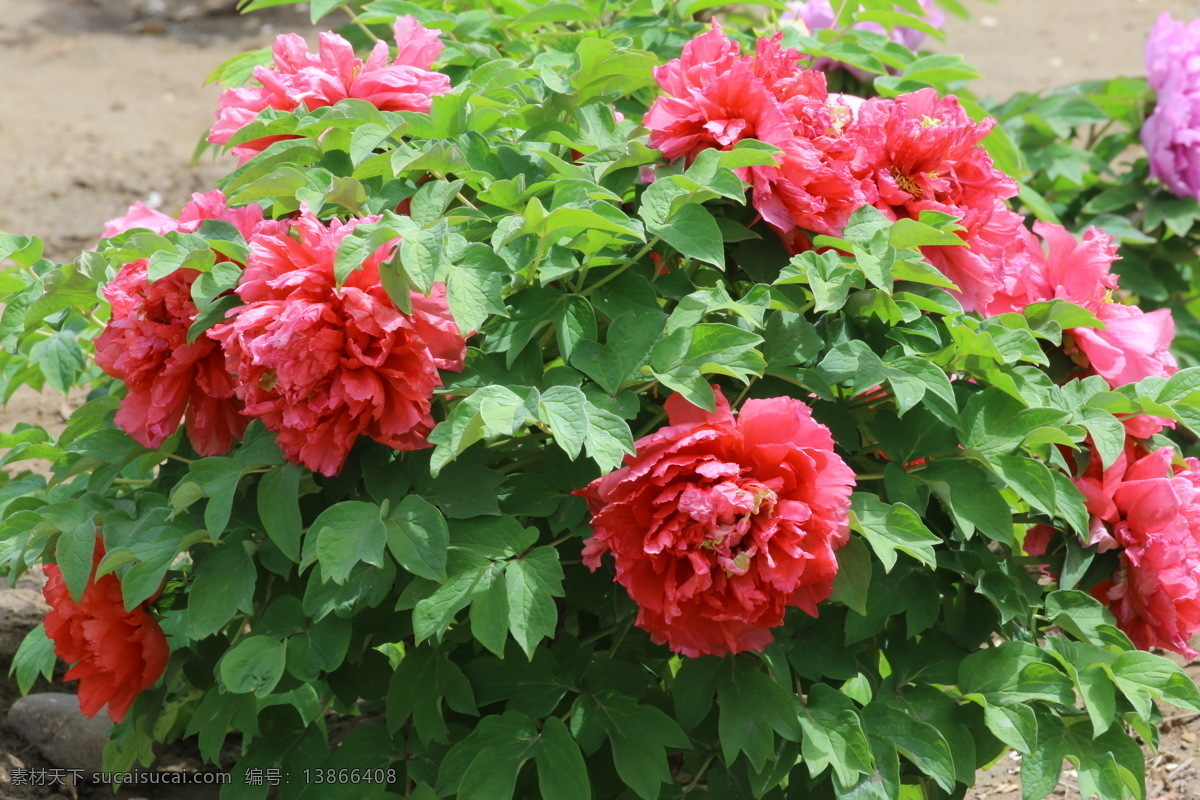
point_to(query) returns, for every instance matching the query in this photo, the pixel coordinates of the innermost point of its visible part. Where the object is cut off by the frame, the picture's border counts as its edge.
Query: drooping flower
(717, 525)
(314, 80)
(1171, 134)
(115, 654)
(1155, 593)
(145, 344)
(820, 14)
(322, 364)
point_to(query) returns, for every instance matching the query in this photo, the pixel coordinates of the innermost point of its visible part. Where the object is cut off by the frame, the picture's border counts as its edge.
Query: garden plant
(652, 399)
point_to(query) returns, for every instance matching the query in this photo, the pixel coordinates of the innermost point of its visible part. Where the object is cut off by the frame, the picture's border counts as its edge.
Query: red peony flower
(315, 80)
(116, 654)
(145, 343)
(321, 364)
(717, 525)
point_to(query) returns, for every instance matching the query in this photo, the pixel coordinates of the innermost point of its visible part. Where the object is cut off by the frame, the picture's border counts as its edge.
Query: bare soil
(103, 104)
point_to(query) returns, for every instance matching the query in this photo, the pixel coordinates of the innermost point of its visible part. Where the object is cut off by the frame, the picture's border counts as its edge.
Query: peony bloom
(139, 215)
(321, 364)
(925, 154)
(713, 98)
(1155, 593)
(820, 14)
(1172, 133)
(335, 73)
(115, 654)
(717, 525)
(1133, 345)
(145, 344)
(1066, 269)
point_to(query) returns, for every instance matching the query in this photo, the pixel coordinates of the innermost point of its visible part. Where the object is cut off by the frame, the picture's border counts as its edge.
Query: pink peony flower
(1155, 593)
(140, 215)
(335, 73)
(1133, 345)
(819, 14)
(713, 98)
(1171, 134)
(145, 345)
(717, 525)
(321, 364)
(1067, 268)
(925, 154)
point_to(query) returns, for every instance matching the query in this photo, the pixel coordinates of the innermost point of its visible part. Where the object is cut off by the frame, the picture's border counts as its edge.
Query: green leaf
(892, 529)
(76, 547)
(970, 498)
(693, 231)
(34, 657)
(278, 500)
(562, 772)
(853, 576)
(423, 680)
(631, 337)
(418, 538)
(60, 359)
(639, 735)
(1137, 674)
(918, 741)
(223, 585)
(255, 664)
(1015, 725)
(474, 288)
(533, 582)
(218, 479)
(833, 735)
(345, 534)
(753, 705)
(564, 409)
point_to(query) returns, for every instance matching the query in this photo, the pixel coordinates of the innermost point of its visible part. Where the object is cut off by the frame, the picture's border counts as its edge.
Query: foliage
(439, 594)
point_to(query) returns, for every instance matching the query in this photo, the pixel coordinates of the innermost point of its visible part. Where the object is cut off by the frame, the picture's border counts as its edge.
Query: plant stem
(700, 773)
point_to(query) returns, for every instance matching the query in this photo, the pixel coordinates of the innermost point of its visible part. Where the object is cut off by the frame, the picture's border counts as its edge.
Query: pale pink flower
(1133, 345)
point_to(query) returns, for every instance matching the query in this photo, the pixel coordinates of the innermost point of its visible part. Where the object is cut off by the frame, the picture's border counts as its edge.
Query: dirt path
(103, 103)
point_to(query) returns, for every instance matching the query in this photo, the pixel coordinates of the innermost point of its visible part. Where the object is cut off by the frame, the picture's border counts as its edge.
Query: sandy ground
(103, 103)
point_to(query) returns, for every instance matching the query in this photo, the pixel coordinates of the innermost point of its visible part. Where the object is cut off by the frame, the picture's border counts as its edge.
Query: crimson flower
(717, 525)
(322, 364)
(116, 654)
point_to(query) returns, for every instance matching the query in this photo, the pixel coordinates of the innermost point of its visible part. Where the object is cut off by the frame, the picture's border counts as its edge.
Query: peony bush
(692, 401)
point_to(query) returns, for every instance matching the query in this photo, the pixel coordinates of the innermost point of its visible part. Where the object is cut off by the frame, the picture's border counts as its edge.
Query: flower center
(908, 184)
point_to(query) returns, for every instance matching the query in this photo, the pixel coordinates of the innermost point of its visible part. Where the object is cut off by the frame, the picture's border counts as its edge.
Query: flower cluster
(115, 654)
(1172, 133)
(315, 80)
(320, 364)
(146, 341)
(918, 152)
(717, 525)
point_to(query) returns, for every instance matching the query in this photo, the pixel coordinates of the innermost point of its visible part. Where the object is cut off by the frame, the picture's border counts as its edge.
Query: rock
(21, 610)
(53, 723)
